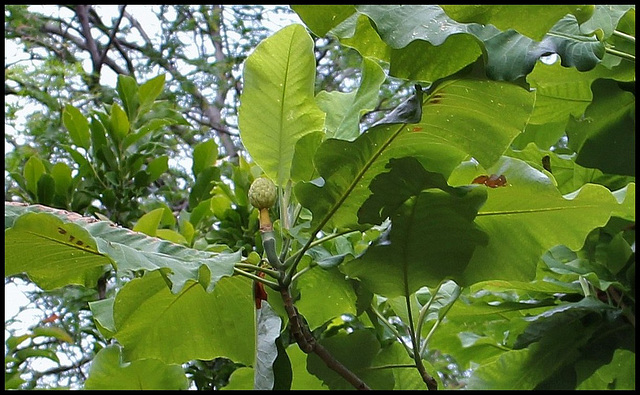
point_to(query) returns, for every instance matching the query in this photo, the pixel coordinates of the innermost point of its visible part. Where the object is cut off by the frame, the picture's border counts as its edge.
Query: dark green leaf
(357, 351)
(33, 170)
(46, 189)
(128, 92)
(605, 137)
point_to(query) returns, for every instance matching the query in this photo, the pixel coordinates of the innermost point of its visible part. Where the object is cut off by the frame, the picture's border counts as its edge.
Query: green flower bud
(262, 193)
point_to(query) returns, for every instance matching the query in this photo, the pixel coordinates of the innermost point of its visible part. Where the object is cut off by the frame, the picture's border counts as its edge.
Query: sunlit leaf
(109, 372)
(277, 104)
(196, 324)
(52, 253)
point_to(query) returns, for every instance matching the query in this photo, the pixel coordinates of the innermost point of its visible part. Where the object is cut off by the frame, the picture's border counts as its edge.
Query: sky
(15, 299)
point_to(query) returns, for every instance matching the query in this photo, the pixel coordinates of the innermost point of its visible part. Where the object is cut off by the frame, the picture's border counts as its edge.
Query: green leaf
(324, 296)
(560, 341)
(46, 189)
(203, 186)
(223, 326)
(421, 42)
(102, 312)
(205, 155)
(52, 253)
(241, 379)
(406, 378)
(148, 223)
(302, 379)
(533, 21)
(52, 331)
(98, 134)
(605, 137)
(356, 351)
(172, 236)
(322, 18)
(446, 132)
(119, 122)
(605, 20)
(432, 233)
(277, 104)
(108, 372)
(575, 49)
(302, 168)
(77, 125)
(619, 374)
(518, 224)
(33, 170)
(127, 88)
(157, 167)
(344, 110)
(150, 90)
(568, 175)
(132, 252)
(61, 174)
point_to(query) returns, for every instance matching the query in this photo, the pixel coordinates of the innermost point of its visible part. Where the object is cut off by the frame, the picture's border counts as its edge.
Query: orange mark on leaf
(492, 181)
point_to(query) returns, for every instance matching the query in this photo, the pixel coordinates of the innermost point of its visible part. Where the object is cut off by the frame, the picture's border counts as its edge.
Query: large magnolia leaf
(556, 343)
(108, 372)
(426, 33)
(459, 118)
(52, 253)
(529, 216)
(432, 232)
(394, 358)
(129, 251)
(605, 137)
(568, 175)
(530, 20)
(153, 322)
(277, 103)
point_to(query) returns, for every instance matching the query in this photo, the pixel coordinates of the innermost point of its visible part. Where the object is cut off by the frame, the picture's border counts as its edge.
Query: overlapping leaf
(356, 351)
(108, 372)
(102, 243)
(402, 30)
(605, 137)
(459, 118)
(277, 103)
(53, 253)
(344, 110)
(432, 232)
(529, 216)
(153, 322)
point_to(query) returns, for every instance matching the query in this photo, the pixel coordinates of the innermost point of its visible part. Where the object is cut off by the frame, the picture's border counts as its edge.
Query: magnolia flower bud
(262, 193)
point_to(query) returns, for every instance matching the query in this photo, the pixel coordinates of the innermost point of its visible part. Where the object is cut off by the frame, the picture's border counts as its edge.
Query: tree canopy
(445, 196)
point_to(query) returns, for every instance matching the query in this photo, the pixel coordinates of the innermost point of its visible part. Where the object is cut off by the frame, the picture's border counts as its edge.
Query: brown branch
(52, 28)
(308, 343)
(82, 11)
(113, 34)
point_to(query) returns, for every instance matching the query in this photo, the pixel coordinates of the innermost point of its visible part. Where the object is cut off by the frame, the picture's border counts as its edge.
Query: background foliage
(127, 204)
